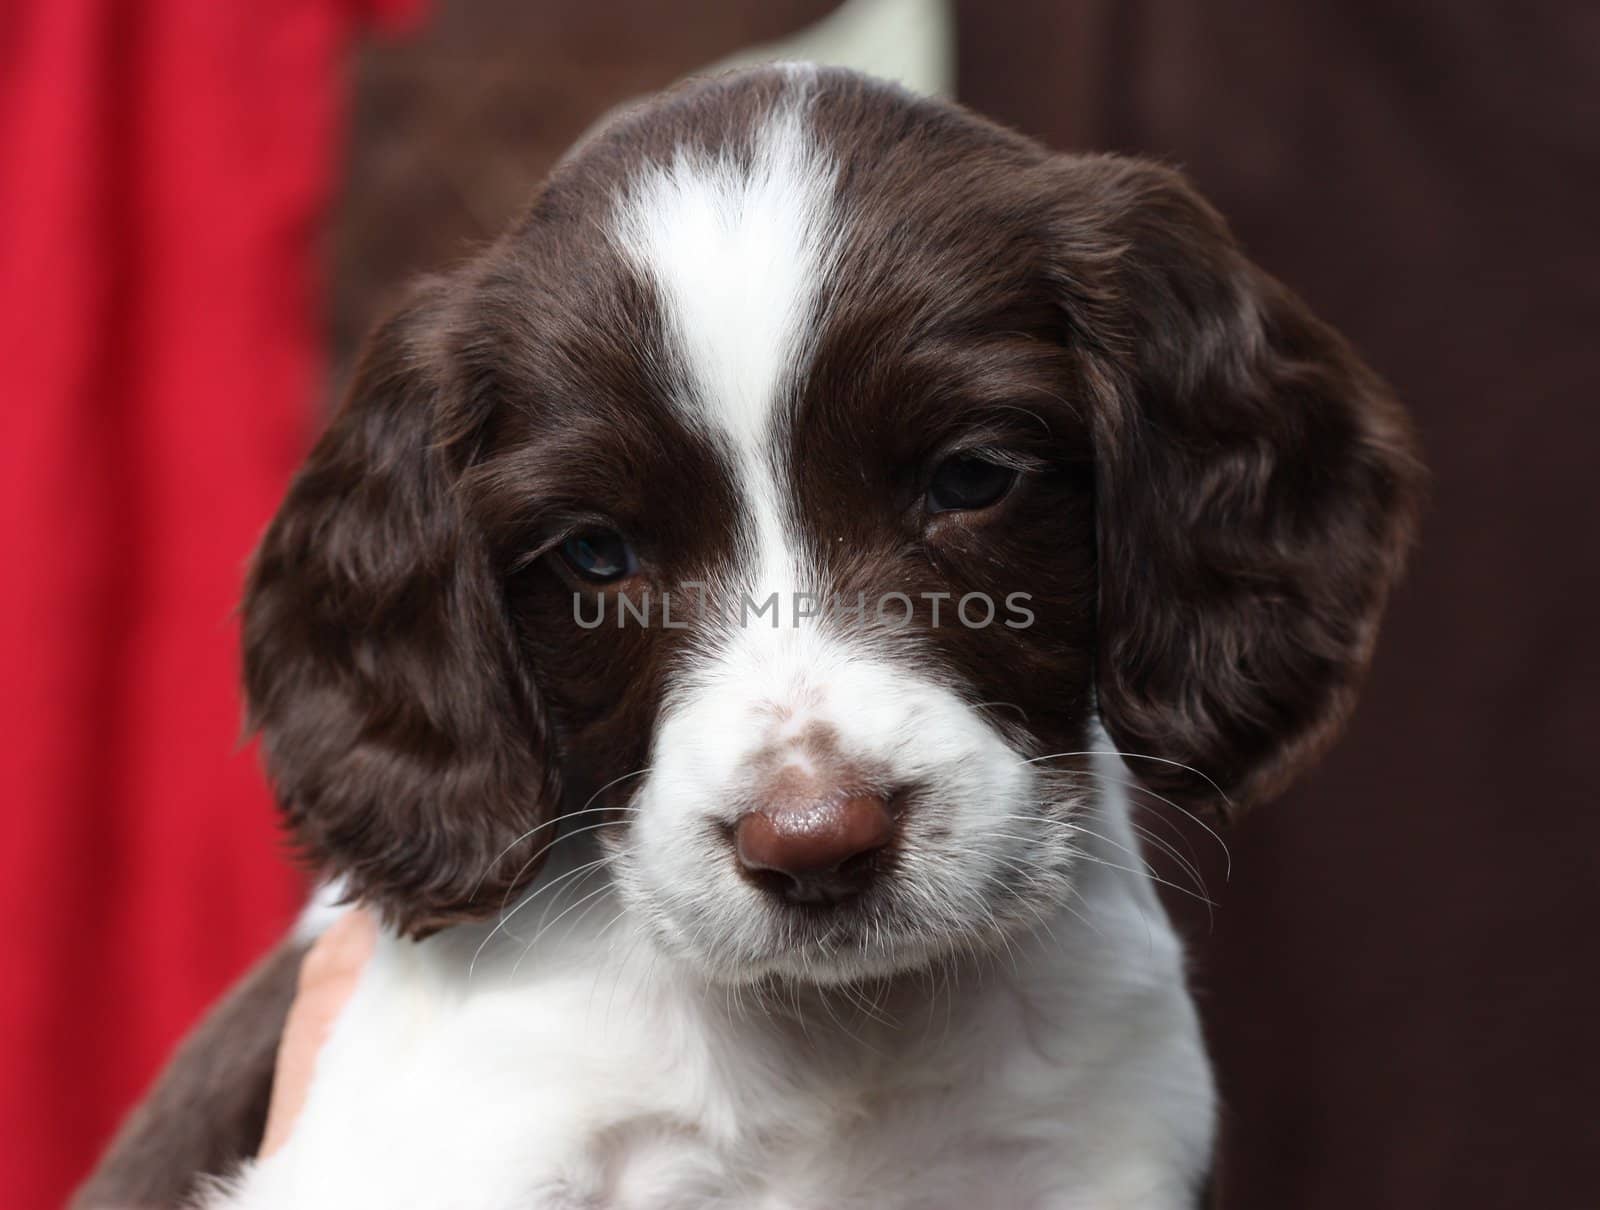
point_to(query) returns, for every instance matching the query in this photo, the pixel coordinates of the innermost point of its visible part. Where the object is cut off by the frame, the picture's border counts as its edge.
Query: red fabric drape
(165, 167)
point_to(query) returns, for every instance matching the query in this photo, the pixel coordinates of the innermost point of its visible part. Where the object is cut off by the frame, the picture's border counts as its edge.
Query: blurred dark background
(208, 205)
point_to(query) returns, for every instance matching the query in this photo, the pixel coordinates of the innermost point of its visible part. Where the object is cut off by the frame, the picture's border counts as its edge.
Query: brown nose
(819, 851)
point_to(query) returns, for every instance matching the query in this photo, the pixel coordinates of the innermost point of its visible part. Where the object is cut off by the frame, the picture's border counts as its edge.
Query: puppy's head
(794, 491)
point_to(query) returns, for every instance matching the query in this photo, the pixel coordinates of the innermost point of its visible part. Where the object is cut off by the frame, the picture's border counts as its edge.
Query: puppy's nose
(819, 851)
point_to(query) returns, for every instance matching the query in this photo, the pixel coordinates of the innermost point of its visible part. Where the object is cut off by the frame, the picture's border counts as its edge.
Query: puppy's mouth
(834, 943)
(894, 923)
(851, 943)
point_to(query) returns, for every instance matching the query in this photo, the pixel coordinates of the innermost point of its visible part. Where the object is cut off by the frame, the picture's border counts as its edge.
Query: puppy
(723, 633)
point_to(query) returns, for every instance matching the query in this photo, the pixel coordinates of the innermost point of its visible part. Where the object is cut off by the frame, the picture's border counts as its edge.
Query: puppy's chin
(784, 963)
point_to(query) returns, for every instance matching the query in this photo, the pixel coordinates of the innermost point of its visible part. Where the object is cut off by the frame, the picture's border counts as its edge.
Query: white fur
(642, 1033)
(326, 906)
(739, 255)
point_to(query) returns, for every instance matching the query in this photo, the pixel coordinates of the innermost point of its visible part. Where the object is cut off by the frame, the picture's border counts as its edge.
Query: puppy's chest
(864, 1147)
(564, 1097)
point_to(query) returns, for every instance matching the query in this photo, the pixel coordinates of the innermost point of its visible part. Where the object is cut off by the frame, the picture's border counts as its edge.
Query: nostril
(774, 882)
(858, 868)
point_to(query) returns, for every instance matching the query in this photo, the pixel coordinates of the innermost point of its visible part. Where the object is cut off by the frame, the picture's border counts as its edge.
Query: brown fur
(208, 1110)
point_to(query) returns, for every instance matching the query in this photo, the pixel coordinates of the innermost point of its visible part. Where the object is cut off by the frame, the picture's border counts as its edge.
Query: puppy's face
(789, 494)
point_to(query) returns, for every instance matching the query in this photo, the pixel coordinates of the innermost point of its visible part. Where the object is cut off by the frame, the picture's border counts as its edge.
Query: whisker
(1200, 888)
(1146, 871)
(533, 894)
(1140, 823)
(545, 848)
(528, 949)
(1140, 788)
(576, 874)
(1146, 836)
(564, 817)
(1176, 764)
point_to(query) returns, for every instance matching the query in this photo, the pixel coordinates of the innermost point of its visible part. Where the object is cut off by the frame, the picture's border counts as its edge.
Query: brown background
(1400, 980)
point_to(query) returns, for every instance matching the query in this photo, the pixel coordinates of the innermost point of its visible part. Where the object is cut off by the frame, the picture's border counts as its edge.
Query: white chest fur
(586, 1072)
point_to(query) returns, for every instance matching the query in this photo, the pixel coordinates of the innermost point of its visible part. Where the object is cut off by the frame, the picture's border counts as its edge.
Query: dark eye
(599, 555)
(967, 481)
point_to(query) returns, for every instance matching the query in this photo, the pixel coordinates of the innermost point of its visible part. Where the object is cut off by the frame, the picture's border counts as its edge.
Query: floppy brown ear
(1257, 490)
(405, 740)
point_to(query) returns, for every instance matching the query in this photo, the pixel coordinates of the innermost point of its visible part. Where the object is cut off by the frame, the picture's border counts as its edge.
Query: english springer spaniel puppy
(724, 633)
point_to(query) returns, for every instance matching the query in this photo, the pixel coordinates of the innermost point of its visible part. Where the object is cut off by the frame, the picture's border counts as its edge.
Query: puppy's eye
(967, 481)
(600, 556)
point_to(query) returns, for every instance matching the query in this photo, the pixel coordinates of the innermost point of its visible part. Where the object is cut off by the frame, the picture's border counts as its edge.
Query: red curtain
(165, 169)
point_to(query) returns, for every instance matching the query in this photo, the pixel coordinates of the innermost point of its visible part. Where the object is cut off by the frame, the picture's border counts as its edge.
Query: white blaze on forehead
(737, 248)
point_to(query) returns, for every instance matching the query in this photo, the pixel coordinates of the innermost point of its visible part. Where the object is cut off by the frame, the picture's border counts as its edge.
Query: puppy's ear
(405, 740)
(1257, 491)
